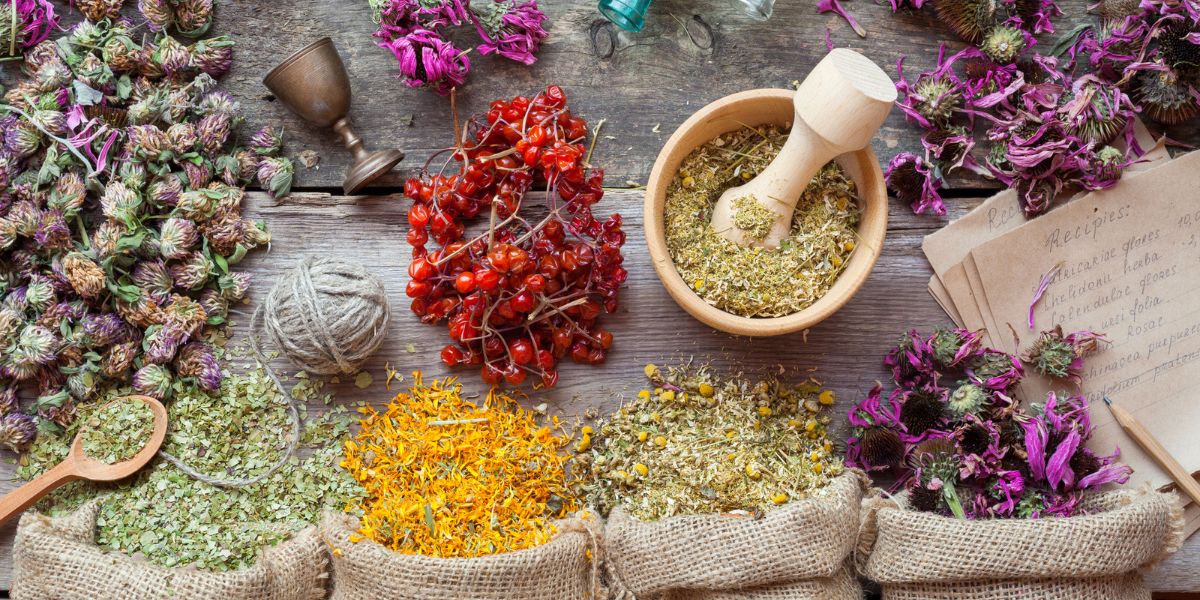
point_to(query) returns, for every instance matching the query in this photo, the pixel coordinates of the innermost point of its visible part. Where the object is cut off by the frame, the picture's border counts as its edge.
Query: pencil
(1187, 484)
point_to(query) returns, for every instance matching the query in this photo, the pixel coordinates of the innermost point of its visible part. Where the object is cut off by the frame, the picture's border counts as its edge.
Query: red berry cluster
(530, 289)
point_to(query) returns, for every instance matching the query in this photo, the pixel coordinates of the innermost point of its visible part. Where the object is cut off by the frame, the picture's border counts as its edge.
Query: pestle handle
(838, 109)
(844, 100)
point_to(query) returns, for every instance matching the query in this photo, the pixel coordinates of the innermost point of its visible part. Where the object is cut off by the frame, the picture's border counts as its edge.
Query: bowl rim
(295, 57)
(872, 231)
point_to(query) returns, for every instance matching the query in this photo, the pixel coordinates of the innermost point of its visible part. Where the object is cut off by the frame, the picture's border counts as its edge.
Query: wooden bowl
(761, 107)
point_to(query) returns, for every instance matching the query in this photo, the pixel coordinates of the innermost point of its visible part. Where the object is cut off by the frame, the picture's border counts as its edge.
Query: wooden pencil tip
(1107, 400)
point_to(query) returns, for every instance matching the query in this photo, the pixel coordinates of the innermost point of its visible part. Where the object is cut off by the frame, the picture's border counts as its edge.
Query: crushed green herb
(752, 217)
(696, 443)
(174, 520)
(117, 431)
(748, 281)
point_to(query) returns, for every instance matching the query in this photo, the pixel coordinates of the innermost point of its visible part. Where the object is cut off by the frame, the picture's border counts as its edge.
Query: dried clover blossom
(114, 226)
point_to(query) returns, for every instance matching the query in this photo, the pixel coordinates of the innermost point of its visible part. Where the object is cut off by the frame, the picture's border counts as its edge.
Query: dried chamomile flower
(697, 443)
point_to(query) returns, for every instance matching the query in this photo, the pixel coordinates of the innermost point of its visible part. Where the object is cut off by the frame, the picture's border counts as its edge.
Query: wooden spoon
(78, 465)
(839, 107)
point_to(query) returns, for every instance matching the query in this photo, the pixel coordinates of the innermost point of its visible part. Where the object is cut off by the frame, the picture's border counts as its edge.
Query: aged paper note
(1130, 261)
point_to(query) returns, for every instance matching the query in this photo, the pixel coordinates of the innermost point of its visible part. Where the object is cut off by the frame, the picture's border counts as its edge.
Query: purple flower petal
(1041, 290)
(824, 6)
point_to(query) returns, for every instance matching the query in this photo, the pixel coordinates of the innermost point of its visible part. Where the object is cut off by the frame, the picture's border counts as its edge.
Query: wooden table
(644, 85)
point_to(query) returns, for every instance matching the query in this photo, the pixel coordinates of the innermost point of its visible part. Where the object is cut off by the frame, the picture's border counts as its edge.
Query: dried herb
(120, 217)
(117, 431)
(696, 443)
(174, 520)
(752, 217)
(970, 450)
(415, 32)
(758, 282)
(445, 477)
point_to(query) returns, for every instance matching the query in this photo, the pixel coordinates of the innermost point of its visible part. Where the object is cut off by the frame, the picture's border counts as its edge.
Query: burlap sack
(56, 557)
(797, 551)
(915, 555)
(561, 569)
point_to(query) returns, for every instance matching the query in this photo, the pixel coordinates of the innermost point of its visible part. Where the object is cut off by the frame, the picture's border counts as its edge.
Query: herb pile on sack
(981, 474)
(463, 499)
(961, 444)
(123, 169)
(704, 478)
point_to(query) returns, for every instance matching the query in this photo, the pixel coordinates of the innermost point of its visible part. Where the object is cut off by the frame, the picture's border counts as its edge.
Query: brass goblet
(313, 84)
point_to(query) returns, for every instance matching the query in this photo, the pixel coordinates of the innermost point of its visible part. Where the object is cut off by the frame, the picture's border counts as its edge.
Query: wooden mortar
(754, 108)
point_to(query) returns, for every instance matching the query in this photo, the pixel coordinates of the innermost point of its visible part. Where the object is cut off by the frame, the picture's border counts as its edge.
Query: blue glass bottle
(629, 15)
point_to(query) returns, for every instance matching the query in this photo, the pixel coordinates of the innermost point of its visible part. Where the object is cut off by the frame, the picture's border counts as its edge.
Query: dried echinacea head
(1175, 46)
(1003, 44)
(881, 447)
(1099, 119)
(968, 18)
(921, 411)
(924, 498)
(967, 399)
(1165, 97)
(939, 98)
(1113, 11)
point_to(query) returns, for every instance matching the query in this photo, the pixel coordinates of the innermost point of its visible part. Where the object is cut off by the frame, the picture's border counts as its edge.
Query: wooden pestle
(839, 107)
(79, 465)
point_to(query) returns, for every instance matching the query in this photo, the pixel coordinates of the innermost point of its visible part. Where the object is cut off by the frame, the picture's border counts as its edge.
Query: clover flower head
(213, 56)
(104, 329)
(153, 279)
(275, 174)
(153, 380)
(212, 131)
(267, 141)
(193, 17)
(191, 271)
(197, 360)
(17, 431)
(176, 237)
(234, 286)
(10, 400)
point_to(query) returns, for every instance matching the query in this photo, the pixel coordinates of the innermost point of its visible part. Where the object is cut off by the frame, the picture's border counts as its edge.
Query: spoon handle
(25, 496)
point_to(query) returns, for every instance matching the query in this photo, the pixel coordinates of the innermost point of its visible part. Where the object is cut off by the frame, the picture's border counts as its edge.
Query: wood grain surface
(690, 53)
(644, 85)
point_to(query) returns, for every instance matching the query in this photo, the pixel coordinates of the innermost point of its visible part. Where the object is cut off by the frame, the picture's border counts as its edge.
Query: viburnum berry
(532, 289)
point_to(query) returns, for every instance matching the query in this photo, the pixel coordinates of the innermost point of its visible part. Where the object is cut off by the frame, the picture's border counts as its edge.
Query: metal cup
(313, 84)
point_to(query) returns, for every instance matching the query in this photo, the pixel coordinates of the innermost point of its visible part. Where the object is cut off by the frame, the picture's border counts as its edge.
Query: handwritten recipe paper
(1130, 261)
(955, 281)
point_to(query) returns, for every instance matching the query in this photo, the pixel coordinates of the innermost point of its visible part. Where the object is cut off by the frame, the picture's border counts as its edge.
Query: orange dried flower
(447, 478)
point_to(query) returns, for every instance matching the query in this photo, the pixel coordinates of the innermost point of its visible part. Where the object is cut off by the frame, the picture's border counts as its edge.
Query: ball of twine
(327, 316)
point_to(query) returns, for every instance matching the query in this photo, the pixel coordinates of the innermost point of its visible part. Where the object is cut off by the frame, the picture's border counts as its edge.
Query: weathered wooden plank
(690, 53)
(845, 351)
